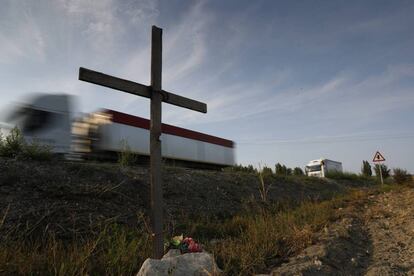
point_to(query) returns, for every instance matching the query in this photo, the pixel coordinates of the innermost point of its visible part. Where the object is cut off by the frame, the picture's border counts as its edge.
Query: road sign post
(157, 96)
(378, 158)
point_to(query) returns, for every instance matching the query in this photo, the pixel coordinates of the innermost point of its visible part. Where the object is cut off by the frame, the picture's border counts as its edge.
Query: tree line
(279, 170)
(399, 175)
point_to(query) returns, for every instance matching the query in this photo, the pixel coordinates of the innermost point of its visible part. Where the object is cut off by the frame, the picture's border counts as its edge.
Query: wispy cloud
(21, 36)
(335, 98)
(185, 44)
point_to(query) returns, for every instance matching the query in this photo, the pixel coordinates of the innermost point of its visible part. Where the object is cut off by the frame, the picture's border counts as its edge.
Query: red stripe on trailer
(127, 119)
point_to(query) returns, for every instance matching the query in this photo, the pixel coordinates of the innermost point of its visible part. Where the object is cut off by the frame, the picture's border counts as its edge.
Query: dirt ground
(374, 236)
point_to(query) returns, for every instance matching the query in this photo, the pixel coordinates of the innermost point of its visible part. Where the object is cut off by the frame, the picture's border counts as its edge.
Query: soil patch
(374, 236)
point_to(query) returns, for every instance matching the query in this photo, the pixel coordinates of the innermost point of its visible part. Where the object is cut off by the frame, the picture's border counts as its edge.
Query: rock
(173, 263)
(172, 253)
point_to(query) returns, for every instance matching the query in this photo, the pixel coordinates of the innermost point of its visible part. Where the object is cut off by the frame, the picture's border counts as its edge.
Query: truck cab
(320, 167)
(46, 120)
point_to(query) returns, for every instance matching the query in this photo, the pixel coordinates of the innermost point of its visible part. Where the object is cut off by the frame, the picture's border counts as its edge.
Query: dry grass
(270, 238)
(115, 251)
(242, 245)
(249, 242)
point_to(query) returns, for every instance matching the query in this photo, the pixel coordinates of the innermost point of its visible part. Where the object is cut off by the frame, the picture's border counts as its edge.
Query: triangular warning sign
(378, 157)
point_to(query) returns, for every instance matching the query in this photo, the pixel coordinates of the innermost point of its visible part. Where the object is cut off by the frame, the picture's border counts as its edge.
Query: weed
(264, 186)
(126, 157)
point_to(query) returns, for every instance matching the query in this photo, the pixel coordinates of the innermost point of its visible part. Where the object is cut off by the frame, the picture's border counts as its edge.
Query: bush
(280, 169)
(384, 169)
(366, 168)
(401, 176)
(298, 171)
(266, 172)
(14, 145)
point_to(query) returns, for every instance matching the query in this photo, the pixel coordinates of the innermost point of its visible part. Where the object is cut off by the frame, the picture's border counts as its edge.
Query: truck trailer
(103, 134)
(321, 167)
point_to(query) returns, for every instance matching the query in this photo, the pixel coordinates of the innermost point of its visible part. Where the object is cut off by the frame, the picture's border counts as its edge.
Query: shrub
(282, 170)
(366, 168)
(266, 171)
(13, 144)
(298, 171)
(126, 157)
(401, 176)
(279, 169)
(384, 169)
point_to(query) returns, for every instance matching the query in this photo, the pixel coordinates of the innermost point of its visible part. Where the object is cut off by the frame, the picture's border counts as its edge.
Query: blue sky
(288, 81)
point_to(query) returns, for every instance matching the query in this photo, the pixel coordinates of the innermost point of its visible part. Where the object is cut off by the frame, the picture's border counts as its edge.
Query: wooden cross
(157, 95)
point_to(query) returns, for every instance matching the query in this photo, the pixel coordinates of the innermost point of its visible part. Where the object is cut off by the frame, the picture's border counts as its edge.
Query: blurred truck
(321, 167)
(49, 120)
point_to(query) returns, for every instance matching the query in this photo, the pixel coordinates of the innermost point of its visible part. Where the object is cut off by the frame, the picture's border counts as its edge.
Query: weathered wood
(138, 89)
(114, 82)
(157, 96)
(155, 144)
(184, 102)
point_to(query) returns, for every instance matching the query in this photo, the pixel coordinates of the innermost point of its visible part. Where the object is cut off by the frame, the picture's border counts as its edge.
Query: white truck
(47, 119)
(320, 167)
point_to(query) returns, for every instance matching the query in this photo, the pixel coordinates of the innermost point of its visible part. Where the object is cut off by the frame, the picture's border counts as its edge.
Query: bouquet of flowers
(185, 245)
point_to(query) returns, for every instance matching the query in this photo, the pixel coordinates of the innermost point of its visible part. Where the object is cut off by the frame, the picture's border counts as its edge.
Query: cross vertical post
(157, 96)
(155, 144)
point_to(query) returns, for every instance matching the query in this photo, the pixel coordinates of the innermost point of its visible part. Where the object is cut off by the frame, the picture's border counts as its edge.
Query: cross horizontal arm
(138, 89)
(114, 82)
